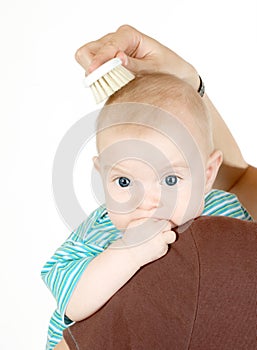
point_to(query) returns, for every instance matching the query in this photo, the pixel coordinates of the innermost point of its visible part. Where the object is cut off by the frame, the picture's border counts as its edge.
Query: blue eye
(171, 180)
(123, 181)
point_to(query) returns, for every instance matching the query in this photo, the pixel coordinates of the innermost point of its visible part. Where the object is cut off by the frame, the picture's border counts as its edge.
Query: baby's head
(156, 155)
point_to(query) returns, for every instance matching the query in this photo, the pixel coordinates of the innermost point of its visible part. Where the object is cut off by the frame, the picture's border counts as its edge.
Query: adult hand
(138, 52)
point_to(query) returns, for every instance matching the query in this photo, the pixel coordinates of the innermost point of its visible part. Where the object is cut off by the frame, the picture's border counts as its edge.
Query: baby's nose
(151, 198)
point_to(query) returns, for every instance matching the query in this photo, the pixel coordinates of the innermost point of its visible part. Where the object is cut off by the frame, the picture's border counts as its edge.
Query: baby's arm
(66, 272)
(62, 272)
(110, 270)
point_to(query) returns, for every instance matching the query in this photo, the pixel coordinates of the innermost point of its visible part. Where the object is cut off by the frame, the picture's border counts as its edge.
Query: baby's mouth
(141, 220)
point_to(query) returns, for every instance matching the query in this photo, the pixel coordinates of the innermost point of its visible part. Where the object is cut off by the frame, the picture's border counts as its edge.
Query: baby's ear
(96, 163)
(212, 168)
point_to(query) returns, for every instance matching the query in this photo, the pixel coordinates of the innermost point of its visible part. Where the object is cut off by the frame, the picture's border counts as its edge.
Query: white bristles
(107, 79)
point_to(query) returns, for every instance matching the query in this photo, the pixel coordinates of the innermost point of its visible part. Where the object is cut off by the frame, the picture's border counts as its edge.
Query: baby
(158, 164)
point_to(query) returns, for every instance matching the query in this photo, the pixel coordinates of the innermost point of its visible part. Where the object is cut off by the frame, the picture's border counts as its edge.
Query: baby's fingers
(169, 237)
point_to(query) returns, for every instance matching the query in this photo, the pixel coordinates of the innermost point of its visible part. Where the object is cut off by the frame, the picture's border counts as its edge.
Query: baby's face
(145, 176)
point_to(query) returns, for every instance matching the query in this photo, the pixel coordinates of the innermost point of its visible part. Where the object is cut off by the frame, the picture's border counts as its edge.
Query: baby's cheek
(117, 194)
(120, 221)
(201, 208)
(188, 210)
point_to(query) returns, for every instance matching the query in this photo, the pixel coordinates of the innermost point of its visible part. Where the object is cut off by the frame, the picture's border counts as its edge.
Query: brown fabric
(200, 295)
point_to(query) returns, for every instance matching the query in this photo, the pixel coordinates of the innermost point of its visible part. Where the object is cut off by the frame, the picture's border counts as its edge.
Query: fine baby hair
(166, 92)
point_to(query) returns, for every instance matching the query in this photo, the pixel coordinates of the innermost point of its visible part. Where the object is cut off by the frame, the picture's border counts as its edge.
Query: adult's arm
(235, 175)
(143, 54)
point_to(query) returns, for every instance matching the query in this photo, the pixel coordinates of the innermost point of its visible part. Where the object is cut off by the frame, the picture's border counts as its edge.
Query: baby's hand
(151, 249)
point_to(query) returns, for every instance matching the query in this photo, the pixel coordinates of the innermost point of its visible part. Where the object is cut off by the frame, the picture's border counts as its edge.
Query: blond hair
(165, 92)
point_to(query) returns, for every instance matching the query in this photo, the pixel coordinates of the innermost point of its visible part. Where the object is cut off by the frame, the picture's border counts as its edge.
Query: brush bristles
(111, 82)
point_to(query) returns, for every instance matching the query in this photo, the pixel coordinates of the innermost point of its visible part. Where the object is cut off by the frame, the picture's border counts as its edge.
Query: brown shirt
(200, 296)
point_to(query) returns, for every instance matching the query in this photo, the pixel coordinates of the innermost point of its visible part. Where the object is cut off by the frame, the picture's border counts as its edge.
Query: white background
(42, 96)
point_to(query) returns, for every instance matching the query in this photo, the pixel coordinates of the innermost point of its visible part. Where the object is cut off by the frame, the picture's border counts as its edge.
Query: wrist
(129, 254)
(197, 83)
(134, 257)
(191, 76)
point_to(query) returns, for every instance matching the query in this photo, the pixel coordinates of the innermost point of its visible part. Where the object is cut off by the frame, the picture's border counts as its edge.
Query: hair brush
(107, 79)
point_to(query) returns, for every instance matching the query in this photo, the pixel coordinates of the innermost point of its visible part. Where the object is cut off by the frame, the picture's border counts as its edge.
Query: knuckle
(111, 44)
(105, 38)
(78, 55)
(163, 249)
(124, 27)
(108, 35)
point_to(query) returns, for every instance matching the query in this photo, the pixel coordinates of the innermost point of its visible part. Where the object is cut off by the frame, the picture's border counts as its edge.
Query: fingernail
(89, 70)
(125, 60)
(123, 57)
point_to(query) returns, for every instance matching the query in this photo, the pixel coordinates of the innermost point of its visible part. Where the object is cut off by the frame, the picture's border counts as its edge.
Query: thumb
(135, 65)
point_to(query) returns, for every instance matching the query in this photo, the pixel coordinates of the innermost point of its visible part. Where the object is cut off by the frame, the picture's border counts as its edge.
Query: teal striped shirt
(63, 271)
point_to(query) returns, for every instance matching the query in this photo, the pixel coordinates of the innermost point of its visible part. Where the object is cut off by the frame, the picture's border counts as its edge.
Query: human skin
(113, 268)
(143, 54)
(140, 53)
(160, 206)
(160, 201)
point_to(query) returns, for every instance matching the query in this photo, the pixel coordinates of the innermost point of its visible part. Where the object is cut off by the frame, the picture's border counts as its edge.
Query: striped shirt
(63, 271)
